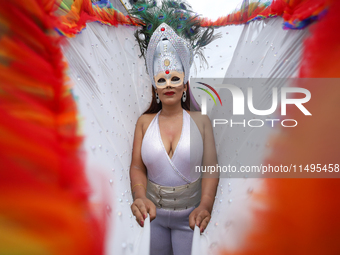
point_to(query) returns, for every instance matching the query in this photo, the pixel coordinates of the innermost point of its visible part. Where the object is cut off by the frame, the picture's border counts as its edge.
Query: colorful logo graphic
(207, 91)
(240, 100)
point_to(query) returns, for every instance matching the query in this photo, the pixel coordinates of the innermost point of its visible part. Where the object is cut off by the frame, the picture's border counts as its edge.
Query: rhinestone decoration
(166, 54)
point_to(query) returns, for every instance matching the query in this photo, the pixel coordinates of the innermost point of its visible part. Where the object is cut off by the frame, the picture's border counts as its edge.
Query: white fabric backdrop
(264, 50)
(112, 90)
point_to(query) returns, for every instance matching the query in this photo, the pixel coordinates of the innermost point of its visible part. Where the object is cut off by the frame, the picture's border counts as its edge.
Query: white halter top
(180, 169)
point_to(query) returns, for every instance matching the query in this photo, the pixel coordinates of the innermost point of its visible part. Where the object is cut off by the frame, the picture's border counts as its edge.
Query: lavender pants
(170, 232)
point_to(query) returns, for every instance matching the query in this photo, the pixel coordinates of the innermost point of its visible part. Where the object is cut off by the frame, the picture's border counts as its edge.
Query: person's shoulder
(145, 118)
(198, 117)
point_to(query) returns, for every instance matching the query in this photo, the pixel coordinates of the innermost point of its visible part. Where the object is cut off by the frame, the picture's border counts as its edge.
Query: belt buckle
(160, 196)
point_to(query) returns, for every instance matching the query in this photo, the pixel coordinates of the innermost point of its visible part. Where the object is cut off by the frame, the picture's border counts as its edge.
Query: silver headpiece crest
(175, 53)
(166, 59)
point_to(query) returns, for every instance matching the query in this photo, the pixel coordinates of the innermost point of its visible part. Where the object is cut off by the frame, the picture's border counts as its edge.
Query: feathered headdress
(176, 22)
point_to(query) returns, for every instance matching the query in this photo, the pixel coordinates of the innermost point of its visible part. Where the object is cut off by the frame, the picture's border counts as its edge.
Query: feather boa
(296, 14)
(44, 196)
(303, 214)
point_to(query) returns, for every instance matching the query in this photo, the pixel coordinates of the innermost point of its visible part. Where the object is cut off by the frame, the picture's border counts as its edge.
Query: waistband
(174, 198)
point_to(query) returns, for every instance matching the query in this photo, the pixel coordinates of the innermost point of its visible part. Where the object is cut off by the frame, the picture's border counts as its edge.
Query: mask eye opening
(175, 78)
(161, 80)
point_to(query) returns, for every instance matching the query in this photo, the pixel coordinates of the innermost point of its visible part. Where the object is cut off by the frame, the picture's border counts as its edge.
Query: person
(169, 141)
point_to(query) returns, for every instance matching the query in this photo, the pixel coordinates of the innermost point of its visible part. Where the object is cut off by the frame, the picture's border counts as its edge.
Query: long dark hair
(154, 107)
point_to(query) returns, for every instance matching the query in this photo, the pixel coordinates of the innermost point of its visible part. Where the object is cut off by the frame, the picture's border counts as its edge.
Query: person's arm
(137, 167)
(141, 205)
(202, 214)
(209, 180)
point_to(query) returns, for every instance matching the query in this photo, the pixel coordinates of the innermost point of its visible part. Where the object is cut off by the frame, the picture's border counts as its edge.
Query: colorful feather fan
(296, 14)
(73, 15)
(303, 214)
(44, 195)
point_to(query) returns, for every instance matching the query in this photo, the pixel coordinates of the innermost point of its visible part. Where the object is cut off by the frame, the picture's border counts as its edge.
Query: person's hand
(141, 207)
(200, 216)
